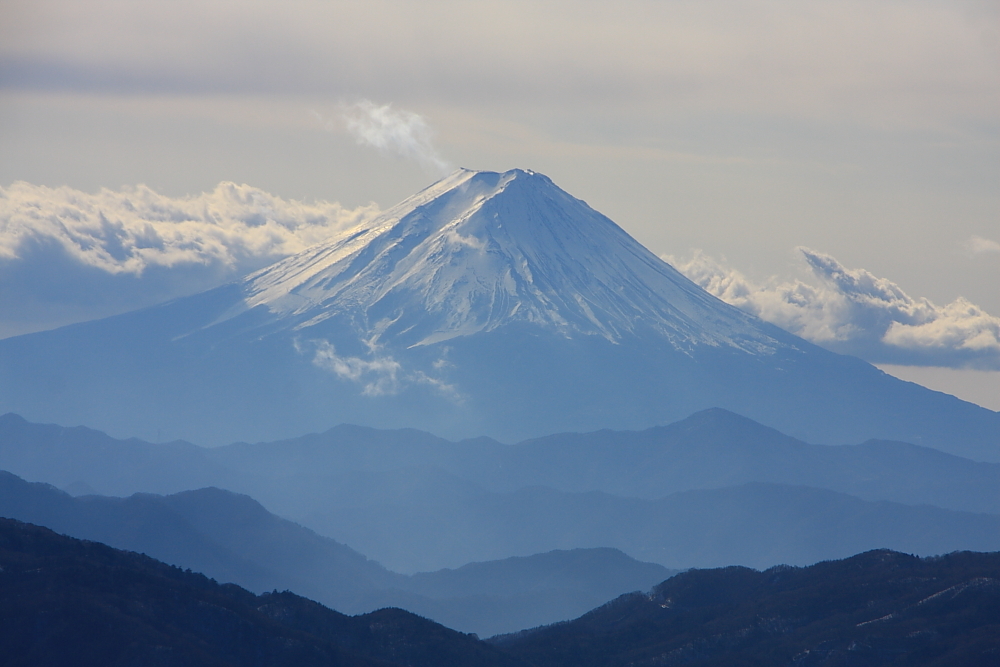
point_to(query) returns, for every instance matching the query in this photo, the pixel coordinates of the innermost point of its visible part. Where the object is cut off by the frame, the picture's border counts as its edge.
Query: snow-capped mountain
(487, 304)
(480, 250)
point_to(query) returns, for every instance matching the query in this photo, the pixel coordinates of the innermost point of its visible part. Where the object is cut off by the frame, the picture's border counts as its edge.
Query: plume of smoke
(856, 312)
(395, 131)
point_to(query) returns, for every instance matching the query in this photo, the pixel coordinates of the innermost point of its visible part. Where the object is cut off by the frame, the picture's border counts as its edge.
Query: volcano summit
(480, 251)
(488, 303)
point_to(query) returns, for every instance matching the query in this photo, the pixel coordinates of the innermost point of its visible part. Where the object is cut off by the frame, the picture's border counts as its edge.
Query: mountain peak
(479, 250)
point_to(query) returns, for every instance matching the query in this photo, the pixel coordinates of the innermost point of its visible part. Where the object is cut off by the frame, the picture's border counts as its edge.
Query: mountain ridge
(711, 448)
(876, 608)
(232, 538)
(69, 601)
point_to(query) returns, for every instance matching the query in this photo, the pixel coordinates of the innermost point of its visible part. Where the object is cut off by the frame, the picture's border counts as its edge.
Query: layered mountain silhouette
(231, 538)
(356, 465)
(71, 602)
(488, 304)
(713, 489)
(67, 601)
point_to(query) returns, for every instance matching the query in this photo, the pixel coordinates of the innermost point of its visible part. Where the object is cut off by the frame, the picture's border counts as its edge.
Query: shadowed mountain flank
(66, 601)
(876, 608)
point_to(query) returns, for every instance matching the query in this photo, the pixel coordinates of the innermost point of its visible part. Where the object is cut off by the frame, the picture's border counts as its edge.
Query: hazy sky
(867, 133)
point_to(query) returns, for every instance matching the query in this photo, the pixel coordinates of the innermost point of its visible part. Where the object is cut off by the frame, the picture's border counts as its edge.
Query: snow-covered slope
(479, 250)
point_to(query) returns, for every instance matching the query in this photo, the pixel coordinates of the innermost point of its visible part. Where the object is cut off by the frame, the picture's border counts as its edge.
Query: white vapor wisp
(399, 132)
(378, 375)
(977, 245)
(855, 312)
(67, 255)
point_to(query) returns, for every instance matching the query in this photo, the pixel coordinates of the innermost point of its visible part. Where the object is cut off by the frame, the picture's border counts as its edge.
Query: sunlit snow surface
(479, 250)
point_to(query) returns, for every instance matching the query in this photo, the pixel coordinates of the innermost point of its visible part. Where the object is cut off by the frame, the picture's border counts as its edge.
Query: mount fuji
(487, 304)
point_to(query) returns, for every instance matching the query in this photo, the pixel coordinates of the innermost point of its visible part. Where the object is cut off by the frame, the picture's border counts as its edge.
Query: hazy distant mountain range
(231, 538)
(487, 304)
(710, 449)
(713, 489)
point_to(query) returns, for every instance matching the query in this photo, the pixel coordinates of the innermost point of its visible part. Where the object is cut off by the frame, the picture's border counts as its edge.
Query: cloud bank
(67, 255)
(855, 312)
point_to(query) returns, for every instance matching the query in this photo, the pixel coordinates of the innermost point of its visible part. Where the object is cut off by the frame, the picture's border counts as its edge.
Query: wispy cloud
(67, 255)
(379, 374)
(394, 131)
(977, 245)
(856, 312)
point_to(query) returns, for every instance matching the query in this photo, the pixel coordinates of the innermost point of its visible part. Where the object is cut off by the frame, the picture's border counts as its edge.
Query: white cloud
(400, 132)
(235, 226)
(379, 375)
(977, 245)
(67, 255)
(856, 312)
